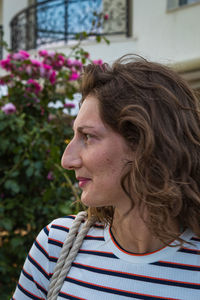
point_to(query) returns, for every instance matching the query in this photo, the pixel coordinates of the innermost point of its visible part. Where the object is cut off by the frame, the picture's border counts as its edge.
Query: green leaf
(12, 185)
(106, 40)
(17, 241)
(26, 162)
(98, 38)
(6, 224)
(5, 143)
(14, 174)
(29, 171)
(38, 165)
(2, 126)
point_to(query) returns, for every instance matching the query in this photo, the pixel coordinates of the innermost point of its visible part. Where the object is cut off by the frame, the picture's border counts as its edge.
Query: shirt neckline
(151, 257)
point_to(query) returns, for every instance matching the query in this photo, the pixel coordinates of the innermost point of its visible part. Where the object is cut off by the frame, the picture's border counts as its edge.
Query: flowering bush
(34, 189)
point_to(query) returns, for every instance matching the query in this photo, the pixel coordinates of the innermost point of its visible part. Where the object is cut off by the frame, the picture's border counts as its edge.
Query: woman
(136, 155)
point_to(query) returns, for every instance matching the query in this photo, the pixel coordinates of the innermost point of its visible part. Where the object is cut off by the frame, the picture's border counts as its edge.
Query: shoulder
(55, 234)
(59, 228)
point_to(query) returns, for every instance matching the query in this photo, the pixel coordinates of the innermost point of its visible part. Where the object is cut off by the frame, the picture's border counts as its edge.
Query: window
(172, 4)
(61, 20)
(185, 2)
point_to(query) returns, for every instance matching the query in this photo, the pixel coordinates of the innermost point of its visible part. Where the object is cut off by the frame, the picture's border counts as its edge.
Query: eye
(87, 137)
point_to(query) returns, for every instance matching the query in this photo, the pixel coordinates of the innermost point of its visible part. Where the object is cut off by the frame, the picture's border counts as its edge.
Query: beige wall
(158, 34)
(9, 9)
(161, 35)
(1, 8)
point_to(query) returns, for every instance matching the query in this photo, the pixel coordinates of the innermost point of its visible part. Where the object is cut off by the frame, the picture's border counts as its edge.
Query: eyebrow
(81, 128)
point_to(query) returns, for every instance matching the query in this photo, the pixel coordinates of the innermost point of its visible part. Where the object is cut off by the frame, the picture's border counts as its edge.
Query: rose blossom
(43, 52)
(34, 86)
(8, 108)
(52, 77)
(21, 55)
(77, 63)
(98, 62)
(74, 76)
(50, 176)
(69, 105)
(5, 64)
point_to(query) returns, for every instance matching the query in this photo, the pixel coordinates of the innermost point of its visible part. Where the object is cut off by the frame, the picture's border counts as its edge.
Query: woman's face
(97, 154)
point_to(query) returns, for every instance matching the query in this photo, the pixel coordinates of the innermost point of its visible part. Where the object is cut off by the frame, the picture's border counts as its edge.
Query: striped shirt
(103, 270)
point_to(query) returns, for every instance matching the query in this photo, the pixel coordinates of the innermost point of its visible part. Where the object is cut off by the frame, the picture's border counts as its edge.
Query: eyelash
(86, 136)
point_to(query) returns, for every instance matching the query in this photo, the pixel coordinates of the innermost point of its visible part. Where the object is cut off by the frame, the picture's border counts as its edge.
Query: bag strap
(68, 253)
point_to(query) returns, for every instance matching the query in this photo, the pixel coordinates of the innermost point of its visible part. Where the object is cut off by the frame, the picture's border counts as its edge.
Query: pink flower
(61, 57)
(52, 53)
(43, 53)
(9, 108)
(106, 16)
(5, 64)
(50, 176)
(50, 117)
(42, 71)
(77, 63)
(59, 63)
(69, 105)
(21, 55)
(24, 53)
(36, 63)
(34, 86)
(45, 70)
(69, 62)
(52, 77)
(74, 76)
(98, 62)
(28, 70)
(2, 82)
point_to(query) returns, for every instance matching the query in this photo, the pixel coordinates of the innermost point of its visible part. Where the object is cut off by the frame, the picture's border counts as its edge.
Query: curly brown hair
(158, 115)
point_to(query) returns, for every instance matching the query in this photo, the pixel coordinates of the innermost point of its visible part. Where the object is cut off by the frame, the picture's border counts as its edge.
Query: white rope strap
(68, 253)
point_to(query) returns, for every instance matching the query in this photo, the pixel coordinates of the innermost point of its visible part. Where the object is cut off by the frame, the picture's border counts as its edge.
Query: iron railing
(1, 41)
(52, 21)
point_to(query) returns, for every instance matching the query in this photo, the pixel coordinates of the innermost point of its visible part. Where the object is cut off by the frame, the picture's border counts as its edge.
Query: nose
(71, 159)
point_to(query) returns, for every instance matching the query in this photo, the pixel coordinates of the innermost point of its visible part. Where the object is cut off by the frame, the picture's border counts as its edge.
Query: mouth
(82, 181)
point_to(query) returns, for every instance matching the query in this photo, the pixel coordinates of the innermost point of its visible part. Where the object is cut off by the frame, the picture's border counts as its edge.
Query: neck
(133, 235)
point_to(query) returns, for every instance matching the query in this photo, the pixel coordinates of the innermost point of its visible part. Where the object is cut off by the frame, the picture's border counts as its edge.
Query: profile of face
(98, 155)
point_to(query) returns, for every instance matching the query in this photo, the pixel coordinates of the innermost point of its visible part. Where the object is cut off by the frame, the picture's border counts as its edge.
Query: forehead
(89, 113)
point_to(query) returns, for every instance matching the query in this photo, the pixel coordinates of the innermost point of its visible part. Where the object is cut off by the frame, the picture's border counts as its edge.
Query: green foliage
(34, 189)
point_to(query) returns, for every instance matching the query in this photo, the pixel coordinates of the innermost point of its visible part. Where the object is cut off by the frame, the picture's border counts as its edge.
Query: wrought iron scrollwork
(1, 41)
(60, 20)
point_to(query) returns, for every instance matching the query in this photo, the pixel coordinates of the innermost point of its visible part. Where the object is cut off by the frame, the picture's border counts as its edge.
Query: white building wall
(162, 34)
(9, 9)
(158, 34)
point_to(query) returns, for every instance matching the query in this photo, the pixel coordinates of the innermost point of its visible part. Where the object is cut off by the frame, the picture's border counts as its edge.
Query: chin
(90, 201)
(86, 201)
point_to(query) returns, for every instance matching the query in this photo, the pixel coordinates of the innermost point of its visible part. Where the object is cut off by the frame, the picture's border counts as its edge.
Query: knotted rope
(68, 253)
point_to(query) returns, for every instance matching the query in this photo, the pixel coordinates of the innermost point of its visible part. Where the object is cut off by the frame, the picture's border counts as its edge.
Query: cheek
(109, 169)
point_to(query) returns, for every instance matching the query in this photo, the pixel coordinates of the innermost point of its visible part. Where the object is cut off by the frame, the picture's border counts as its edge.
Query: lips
(83, 181)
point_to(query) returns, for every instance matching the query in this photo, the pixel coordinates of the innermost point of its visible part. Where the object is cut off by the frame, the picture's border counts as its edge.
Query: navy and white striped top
(102, 270)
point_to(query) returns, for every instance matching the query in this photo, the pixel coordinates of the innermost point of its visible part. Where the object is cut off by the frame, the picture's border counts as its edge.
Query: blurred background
(162, 30)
